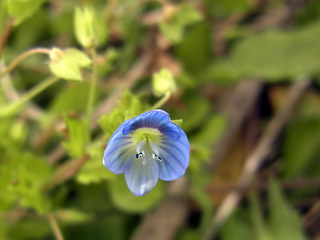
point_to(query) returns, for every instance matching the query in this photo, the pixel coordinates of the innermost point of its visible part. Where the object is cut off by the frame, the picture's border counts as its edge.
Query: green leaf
(22, 9)
(93, 170)
(285, 54)
(284, 221)
(109, 64)
(301, 145)
(195, 113)
(211, 132)
(88, 27)
(225, 8)
(195, 59)
(173, 27)
(126, 201)
(20, 180)
(128, 105)
(73, 98)
(238, 227)
(110, 122)
(309, 12)
(78, 136)
(29, 228)
(67, 63)
(72, 216)
(259, 227)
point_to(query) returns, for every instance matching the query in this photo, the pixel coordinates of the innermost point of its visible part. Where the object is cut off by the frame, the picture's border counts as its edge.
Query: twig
(23, 56)
(14, 106)
(55, 227)
(163, 223)
(236, 106)
(168, 218)
(65, 172)
(264, 147)
(312, 215)
(33, 112)
(6, 32)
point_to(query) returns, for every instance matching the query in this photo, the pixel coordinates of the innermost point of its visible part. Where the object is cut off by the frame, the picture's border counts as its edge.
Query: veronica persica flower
(147, 148)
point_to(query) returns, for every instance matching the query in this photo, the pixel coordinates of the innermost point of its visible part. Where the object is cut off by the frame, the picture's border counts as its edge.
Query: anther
(156, 157)
(140, 155)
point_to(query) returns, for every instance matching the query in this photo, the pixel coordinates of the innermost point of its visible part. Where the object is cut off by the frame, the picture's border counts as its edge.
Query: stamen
(154, 147)
(156, 157)
(140, 146)
(140, 155)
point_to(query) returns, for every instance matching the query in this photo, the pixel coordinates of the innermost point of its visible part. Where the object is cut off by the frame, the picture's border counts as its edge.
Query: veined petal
(157, 119)
(174, 157)
(119, 151)
(142, 175)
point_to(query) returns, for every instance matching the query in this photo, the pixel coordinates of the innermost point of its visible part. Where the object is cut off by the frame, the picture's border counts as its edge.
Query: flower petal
(158, 119)
(142, 177)
(174, 157)
(119, 151)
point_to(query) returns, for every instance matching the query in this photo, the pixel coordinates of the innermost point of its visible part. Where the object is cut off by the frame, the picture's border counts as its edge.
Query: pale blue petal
(119, 151)
(174, 157)
(157, 119)
(141, 178)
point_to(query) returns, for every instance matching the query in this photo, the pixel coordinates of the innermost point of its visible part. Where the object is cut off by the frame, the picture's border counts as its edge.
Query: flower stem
(93, 83)
(14, 106)
(6, 32)
(24, 56)
(55, 227)
(162, 101)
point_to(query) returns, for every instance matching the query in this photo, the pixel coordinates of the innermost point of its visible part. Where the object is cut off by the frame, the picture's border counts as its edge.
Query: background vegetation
(243, 75)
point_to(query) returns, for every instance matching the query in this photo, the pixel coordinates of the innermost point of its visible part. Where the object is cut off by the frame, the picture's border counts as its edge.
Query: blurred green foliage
(51, 145)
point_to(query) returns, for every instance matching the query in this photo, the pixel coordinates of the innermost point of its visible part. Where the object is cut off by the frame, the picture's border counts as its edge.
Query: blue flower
(146, 148)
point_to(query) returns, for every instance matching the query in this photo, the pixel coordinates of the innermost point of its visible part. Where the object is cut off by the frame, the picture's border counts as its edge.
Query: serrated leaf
(126, 201)
(284, 221)
(93, 171)
(285, 54)
(67, 63)
(20, 180)
(128, 105)
(78, 136)
(22, 9)
(173, 27)
(78, 57)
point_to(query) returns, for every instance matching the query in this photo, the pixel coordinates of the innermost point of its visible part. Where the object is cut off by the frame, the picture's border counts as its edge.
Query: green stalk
(55, 227)
(24, 56)
(93, 84)
(15, 106)
(162, 101)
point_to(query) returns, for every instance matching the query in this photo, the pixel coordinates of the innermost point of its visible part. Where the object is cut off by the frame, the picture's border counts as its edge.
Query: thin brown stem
(264, 148)
(6, 32)
(24, 56)
(55, 227)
